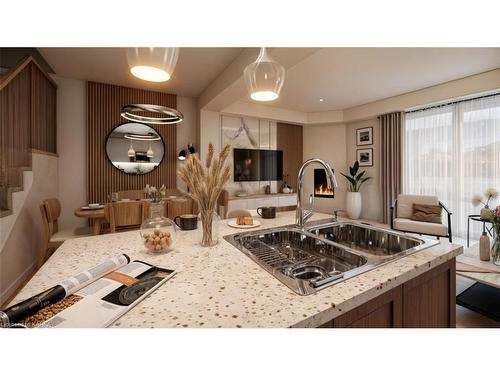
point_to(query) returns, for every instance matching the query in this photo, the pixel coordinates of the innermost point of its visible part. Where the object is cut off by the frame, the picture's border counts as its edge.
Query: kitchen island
(222, 287)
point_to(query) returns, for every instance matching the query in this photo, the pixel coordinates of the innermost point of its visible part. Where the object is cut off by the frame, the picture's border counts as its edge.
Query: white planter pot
(353, 204)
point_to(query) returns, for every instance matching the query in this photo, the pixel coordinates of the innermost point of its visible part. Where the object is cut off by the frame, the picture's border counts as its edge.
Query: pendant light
(154, 64)
(168, 115)
(131, 151)
(264, 77)
(150, 152)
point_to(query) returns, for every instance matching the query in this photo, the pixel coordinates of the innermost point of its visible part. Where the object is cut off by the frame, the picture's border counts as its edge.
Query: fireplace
(321, 189)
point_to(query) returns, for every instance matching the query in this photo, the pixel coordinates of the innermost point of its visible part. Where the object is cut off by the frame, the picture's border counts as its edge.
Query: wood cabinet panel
(429, 300)
(289, 140)
(384, 311)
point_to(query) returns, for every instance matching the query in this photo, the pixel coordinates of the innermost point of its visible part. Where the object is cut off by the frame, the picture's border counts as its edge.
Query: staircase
(6, 202)
(27, 121)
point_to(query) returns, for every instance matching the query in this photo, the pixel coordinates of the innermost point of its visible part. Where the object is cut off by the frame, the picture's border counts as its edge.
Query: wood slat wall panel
(289, 139)
(43, 111)
(104, 103)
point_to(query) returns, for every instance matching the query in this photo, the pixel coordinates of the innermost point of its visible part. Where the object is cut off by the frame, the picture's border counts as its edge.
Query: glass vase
(495, 250)
(209, 230)
(158, 232)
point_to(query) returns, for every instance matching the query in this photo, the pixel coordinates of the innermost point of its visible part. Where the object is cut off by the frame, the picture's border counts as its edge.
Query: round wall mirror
(135, 148)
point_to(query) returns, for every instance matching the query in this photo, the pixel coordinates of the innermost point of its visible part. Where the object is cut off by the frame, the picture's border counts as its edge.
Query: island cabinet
(427, 301)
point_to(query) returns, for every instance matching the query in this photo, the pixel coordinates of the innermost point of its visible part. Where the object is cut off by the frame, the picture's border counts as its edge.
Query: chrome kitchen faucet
(302, 215)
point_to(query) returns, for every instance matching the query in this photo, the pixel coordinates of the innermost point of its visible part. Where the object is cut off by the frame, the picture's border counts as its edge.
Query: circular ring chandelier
(169, 115)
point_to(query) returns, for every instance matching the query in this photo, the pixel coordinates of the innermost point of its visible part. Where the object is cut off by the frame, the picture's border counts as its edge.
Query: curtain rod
(454, 102)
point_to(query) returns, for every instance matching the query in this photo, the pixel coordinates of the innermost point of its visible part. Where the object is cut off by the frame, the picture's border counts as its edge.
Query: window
(453, 151)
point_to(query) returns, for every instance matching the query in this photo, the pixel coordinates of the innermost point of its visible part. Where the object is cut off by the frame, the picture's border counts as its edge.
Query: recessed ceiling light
(322, 100)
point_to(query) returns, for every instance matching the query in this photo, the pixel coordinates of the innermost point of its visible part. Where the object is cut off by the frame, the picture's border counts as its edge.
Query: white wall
(187, 129)
(19, 255)
(336, 144)
(71, 146)
(371, 191)
(327, 142)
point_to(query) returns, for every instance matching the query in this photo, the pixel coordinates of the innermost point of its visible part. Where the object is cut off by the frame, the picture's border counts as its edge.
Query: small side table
(478, 218)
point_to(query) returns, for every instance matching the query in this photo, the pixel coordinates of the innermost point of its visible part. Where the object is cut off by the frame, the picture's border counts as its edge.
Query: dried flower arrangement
(489, 194)
(153, 194)
(205, 183)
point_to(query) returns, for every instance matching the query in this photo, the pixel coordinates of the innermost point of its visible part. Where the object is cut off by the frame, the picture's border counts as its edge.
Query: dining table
(97, 215)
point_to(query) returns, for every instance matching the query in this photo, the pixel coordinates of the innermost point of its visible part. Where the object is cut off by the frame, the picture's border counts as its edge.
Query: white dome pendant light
(264, 77)
(154, 64)
(150, 152)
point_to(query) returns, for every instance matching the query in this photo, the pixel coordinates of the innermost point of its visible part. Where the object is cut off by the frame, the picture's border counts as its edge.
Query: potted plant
(477, 200)
(355, 180)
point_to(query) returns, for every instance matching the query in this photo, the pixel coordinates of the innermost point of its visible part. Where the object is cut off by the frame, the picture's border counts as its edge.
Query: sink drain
(308, 272)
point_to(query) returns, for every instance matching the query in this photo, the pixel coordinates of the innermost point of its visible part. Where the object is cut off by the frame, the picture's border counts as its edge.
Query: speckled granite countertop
(222, 287)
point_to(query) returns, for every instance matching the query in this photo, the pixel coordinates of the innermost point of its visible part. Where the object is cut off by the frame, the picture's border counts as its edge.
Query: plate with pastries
(243, 222)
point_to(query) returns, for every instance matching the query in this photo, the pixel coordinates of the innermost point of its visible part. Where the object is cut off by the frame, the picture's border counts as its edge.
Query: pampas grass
(206, 182)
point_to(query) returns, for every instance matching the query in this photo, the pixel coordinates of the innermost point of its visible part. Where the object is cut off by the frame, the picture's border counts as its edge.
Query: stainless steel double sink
(324, 253)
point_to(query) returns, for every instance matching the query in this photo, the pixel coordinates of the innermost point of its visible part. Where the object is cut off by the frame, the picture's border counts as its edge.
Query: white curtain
(453, 151)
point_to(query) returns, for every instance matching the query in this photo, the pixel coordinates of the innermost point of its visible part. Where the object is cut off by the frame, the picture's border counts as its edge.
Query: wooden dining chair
(180, 206)
(131, 194)
(52, 237)
(223, 203)
(125, 215)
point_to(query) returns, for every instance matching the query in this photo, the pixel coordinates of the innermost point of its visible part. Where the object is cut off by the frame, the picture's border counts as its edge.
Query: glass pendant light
(264, 77)
(150, 152)
(131, 151)
(154, 64)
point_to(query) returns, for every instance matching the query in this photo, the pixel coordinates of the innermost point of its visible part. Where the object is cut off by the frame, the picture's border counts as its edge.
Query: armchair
(401, 212)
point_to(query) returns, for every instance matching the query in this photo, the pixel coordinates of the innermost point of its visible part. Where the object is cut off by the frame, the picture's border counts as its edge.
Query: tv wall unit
(252, 202)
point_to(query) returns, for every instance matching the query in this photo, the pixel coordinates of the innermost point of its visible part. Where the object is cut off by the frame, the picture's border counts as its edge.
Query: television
(257, 165)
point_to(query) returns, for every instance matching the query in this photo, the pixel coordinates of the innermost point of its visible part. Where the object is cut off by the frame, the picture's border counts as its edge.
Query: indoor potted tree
(355, 181)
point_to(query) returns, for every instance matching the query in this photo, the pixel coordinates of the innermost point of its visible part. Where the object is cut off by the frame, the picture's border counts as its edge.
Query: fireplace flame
(323, 190)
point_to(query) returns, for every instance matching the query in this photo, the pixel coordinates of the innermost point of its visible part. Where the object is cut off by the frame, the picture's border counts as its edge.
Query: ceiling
(195, 70)
(342, 77)
(347, 77)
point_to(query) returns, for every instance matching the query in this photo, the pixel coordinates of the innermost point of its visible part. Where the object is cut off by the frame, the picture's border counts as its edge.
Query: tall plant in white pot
(355, 181)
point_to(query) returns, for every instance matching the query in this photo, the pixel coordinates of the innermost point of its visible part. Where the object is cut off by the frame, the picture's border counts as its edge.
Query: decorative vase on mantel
(353, 204)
